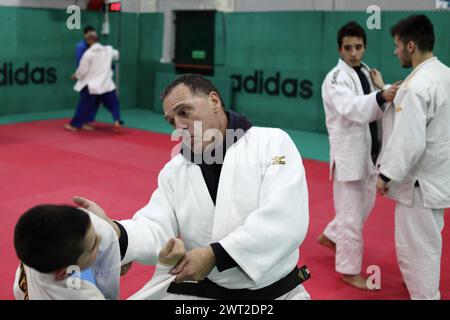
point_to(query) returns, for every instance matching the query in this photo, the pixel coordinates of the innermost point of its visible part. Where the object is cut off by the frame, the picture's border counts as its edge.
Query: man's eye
(182, 113)
(358, 47)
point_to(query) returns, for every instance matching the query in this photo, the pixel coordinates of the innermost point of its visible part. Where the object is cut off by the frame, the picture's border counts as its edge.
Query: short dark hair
(351, 29)
(51, 237)
(88, 29)
(196, 83)
(417, 28)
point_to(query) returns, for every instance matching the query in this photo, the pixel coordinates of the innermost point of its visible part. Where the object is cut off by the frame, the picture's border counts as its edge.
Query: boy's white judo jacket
(260, 218)
(416, 137)
(106, 271)
(95, 70)
(348, 114)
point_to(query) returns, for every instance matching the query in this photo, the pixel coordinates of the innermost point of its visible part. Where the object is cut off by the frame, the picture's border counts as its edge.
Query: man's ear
(60, 274)
(215, 101)
(411, 46)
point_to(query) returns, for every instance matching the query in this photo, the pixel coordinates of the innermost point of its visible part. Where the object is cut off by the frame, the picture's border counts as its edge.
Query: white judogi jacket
(260, 218)
(348, 114)
(416, 137)
(95, 71)
(106, 271)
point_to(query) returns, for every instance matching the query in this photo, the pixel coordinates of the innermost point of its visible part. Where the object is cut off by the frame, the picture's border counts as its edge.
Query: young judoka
(95, 84)
(52, 241)
(353, 99)
(415, 163)
(49, 239)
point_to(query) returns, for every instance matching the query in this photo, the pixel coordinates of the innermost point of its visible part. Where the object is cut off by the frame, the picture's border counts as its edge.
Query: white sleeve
(275, 230)
(348, 104)
(106, 268)
(115, 54)
(157, 287)
(407, 141)
(152, 226)
(18, 293)
(84, 66)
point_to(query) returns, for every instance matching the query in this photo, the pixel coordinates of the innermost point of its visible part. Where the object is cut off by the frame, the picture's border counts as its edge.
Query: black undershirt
(375, 149)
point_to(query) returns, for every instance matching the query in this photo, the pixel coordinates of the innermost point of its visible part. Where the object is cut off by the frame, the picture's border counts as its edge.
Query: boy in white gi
(49, 239)
(52, 241)
(352, 105)
(415, 161)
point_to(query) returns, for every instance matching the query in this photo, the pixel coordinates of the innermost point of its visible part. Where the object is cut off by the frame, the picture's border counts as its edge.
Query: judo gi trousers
(353, 201)
(88, 105)
(418, 242)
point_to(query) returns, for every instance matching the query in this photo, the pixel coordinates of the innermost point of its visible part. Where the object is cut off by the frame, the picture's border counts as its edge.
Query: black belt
(208, 289)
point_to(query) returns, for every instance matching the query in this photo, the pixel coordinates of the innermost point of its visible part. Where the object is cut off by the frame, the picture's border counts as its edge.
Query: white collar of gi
(342, 64)
(420, 66)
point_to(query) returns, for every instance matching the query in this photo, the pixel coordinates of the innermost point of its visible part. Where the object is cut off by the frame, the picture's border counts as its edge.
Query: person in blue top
(81, 48)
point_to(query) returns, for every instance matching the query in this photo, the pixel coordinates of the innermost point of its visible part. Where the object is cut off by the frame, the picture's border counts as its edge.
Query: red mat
(42, 163)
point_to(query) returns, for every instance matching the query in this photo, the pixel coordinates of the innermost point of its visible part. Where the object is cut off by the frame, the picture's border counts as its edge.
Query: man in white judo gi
(415, 161)
(242, 216)
(95, 84)
(353, 99)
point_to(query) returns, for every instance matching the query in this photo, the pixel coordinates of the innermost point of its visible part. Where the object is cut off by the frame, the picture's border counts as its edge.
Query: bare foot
(87, 127)
(357, 281)
(117, 127)
(324, 241)
(68, 127)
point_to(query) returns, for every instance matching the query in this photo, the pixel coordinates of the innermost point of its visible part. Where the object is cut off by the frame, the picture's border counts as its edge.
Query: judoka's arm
(408, 139)
(152, 226)
(84, 66)
(354, 107)
(276, 229)
(115, 54)
(143, 236)
(79, 51)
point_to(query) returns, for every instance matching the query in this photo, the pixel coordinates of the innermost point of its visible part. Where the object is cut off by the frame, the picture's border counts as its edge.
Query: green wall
(40, 38)
(303, 45)
(297, 47)
(294, 48)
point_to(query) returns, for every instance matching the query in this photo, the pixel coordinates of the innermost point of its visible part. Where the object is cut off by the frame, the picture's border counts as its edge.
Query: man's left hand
(195, 265)
(382, 186)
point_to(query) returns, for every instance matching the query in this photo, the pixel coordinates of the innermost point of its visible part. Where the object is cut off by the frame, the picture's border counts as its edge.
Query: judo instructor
(235, 194)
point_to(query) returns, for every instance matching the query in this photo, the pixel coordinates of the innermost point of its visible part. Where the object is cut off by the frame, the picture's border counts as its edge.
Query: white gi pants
(418, 242)
(353, 201)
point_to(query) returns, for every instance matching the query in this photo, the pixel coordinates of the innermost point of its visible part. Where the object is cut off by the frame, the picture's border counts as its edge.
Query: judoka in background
(95, 84)
(415, 161)
(353, 98)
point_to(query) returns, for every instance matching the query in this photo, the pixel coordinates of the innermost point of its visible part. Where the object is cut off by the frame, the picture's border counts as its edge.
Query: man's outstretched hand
(97, 210)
